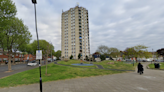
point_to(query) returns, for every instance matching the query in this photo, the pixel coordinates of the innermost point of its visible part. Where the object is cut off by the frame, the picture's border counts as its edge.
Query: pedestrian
(140, 67)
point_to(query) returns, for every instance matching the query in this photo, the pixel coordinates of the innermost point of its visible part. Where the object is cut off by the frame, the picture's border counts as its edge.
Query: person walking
(140, 68)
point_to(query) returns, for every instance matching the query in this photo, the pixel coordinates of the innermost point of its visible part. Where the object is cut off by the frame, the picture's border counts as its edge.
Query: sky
(113, 23)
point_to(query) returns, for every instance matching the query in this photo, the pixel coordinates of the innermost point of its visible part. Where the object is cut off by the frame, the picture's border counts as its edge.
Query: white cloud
(114, 23)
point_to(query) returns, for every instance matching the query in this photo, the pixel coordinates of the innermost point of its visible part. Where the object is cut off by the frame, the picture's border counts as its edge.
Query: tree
(137, 51)
(130, 52)
(71, 57)
(114, 52)
(46, 48)
(141, 51)
(147, 54)
(47, 52)
(79, 56)
(14, 36)
(102, 57)
(58, 54)
(161, 52)
(86, 57)
(155, 55)
(7, 12)
(42, 46)
(103, 50)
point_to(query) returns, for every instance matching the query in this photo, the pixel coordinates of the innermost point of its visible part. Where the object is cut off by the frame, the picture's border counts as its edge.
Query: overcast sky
(114, 23)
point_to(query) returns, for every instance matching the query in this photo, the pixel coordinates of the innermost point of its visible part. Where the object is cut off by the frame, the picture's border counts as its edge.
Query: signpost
(39, 54)
(39, 51)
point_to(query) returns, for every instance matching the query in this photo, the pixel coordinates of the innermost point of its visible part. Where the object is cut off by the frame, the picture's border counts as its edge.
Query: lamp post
(34, 2)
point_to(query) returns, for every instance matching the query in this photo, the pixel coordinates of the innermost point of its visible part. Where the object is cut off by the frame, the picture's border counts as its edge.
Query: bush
(71, 57)
(102, 57)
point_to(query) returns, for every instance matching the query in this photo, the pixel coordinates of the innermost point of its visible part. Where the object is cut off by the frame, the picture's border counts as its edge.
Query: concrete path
(150, 81)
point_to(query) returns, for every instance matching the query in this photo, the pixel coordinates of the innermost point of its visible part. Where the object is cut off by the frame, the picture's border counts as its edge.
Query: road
(15, 69)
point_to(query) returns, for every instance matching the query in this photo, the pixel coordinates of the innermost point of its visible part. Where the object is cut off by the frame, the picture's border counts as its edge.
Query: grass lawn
(76, 62)
(117, 65)
(152, 65)
(58, 72)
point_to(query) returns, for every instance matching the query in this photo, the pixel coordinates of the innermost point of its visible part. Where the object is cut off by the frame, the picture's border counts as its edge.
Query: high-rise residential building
(75, 33)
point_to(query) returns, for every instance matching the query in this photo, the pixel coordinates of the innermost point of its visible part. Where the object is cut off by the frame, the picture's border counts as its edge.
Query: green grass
(152, 65)
(58, 72)
(117, 65)
(76, 62)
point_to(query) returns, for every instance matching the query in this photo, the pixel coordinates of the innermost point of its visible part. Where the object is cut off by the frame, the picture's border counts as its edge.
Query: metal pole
(38, 48)
(152, 56)
(51, 52)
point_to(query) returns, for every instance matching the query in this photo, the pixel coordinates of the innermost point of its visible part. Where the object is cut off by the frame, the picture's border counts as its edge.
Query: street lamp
(34, 2)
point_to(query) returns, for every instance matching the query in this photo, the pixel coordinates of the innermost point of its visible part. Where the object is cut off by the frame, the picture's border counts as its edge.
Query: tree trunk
(14, 60)
(9, 62)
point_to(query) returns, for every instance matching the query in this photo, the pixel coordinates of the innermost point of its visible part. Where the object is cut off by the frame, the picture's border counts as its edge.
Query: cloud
(114, 23)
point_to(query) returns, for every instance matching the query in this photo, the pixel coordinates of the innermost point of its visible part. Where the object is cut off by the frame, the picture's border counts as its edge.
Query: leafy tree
(137, 51)
(141, 51)
(14, 36)
(161, 52)
(58, 54)
(129, 52)
(147, 54)
(7, 12)
(79, 56)
(156, 55)
(102, 57)
(114, 52)
(42, 46)
(86, 57)
(71, 57)
(45, 46)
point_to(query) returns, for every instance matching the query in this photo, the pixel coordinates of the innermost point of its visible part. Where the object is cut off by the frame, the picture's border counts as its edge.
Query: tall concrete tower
(75, 33)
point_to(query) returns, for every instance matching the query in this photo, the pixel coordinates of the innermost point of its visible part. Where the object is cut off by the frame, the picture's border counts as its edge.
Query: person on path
(140, 67)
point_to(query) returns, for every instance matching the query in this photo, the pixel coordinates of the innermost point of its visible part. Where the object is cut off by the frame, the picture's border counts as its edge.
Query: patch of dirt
(8, 71)
(48, 74)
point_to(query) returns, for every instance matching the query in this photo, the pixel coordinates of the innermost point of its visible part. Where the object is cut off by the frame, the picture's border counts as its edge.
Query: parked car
(148, 60)
(159, 60)
(140, 60)
(128, 60)
(27, 61)
(6, 62)
(111, 58)
(144, 60)
(32, 63)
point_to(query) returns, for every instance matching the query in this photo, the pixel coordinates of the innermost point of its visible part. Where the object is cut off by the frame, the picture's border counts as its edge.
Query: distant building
(75, 33)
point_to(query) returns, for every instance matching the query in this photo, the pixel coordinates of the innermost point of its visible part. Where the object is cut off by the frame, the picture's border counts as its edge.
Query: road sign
(38, 54)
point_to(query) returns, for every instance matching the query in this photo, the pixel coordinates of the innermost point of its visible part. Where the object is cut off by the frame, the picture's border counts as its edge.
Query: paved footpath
(150, 81)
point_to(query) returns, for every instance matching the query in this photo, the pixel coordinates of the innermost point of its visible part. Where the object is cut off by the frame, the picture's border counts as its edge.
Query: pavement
(150, 81)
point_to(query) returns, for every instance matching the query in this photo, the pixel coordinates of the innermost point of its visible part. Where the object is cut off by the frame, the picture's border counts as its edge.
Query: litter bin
(155, 65)
(158, 65)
